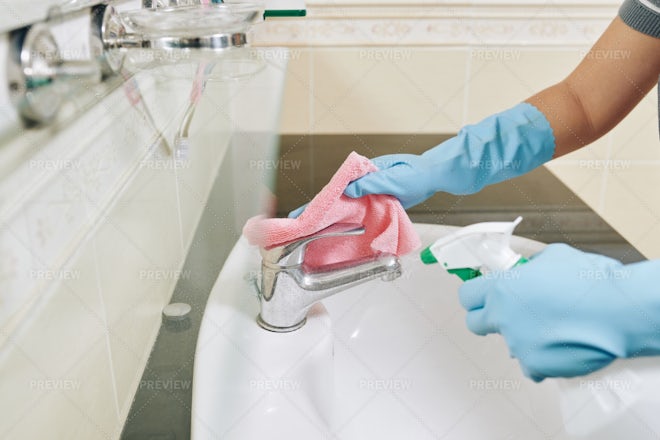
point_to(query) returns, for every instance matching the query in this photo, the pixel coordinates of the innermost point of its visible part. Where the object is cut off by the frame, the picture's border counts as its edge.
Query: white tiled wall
(94, 233)
(96, 221)
(438, 85)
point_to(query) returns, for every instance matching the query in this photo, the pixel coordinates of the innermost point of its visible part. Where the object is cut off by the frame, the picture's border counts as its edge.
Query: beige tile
(59, 377)
(53, 339)
(17, 266)
(125, 281)
(587, 185)
(640, 183)
(135, 289)
(131, 338)
(583, 171)
(298, 89)
(52, 416)
(94, 398)
(58, 416)
(137, 285)
(650, 245)
(255, 101)
(632, 206)
(501, 77)
(388, 90)
(636, 137)
(151, 196)
(438, 77)
(19, 380)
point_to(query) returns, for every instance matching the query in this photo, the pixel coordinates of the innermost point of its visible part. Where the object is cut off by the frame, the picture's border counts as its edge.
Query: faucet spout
(329, 280)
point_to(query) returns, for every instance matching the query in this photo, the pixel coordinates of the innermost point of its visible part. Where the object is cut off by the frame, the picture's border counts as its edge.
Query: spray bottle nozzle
(475, 248)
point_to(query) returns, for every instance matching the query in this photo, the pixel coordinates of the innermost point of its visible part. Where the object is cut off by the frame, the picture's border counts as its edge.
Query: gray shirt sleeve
(642, 15)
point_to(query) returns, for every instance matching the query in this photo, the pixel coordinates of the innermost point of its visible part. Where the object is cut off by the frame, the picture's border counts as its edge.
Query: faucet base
(266, 326)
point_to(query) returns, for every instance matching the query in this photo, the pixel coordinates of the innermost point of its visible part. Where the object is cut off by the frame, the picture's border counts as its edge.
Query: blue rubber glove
(568, 313)
(500, 147)
(296, 212)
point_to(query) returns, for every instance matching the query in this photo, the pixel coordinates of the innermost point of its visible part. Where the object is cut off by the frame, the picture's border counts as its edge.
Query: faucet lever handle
(293, 252)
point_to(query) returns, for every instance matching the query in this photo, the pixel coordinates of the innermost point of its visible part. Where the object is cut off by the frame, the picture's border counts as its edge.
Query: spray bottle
(590, 405)
(475, 249)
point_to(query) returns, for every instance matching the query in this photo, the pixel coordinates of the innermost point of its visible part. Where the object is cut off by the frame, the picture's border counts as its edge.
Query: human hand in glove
(568, 313)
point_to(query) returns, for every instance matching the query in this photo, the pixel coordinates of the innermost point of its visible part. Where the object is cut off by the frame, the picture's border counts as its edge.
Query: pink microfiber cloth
(388, 228)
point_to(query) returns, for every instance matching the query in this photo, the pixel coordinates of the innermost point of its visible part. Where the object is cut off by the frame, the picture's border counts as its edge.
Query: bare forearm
(610, 81)
(570, 121)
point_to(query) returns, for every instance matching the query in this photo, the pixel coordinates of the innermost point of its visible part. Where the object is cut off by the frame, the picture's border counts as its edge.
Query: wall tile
(85, 403)
(131, 338)
(583, 171)
(632, 206)
(386, 90)
(48, 361)
(413, 89)
(298, 91)
(636, 137)
(500, 77)
(20, 377)
(650, 246)
(53, 339)
(93, 398)
(63, 423)
(17, 271)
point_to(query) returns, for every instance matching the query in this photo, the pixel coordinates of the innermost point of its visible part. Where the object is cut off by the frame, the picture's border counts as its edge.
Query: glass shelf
(194, 20)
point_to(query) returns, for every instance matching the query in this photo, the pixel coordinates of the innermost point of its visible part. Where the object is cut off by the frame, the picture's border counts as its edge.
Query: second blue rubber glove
(500, 147)
(568, 313)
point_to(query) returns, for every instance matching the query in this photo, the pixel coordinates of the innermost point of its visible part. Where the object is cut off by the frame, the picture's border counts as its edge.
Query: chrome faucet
(288, 288)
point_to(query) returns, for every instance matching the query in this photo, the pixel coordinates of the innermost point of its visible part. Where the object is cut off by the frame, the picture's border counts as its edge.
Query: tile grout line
(99, 289)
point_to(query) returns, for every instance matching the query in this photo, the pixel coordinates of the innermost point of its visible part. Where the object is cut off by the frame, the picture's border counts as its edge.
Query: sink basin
(384, 360)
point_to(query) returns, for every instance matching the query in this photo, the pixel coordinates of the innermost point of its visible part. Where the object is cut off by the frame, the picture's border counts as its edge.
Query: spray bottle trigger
(468, 273)
(465, 273)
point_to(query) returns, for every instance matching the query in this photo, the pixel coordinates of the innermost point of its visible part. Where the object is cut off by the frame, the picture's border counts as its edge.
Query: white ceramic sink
(384, 360)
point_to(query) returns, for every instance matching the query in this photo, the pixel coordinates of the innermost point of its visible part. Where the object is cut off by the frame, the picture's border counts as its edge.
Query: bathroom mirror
(16, 14)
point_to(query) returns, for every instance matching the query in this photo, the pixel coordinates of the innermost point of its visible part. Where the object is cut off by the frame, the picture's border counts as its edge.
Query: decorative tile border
(521, 23)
